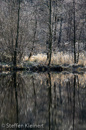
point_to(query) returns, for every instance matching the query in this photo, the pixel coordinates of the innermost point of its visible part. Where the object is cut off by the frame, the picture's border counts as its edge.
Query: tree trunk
(60, 32)
(31, 53)
(82, 28)
(55, 28)
(17, 35)
(74, 39)
(50, 34)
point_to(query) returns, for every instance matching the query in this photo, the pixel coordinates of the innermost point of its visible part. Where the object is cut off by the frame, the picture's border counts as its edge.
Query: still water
(42, 101)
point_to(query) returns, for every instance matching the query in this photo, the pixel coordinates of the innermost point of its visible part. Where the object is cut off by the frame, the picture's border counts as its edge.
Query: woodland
(42, 33)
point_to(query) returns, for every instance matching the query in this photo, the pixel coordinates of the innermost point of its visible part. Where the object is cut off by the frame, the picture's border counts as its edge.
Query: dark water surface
(42, 101)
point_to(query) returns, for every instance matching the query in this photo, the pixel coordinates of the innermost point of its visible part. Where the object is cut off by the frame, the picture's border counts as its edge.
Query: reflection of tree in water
(28, 98)
(66, 104)
(21, 99)
(11, 87)
(50, 99)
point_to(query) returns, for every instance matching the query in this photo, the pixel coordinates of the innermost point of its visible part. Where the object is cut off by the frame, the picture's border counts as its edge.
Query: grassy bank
(59, 58)
(59, 62)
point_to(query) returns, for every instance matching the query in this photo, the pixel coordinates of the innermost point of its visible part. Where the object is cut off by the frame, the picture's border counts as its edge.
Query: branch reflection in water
(52, 100)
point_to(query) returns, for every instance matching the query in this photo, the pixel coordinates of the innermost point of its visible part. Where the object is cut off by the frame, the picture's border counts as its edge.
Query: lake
(37, 101)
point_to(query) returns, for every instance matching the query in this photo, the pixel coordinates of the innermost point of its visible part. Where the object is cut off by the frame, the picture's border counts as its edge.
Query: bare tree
(17, 35)
(50, 35)
(74, 22)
